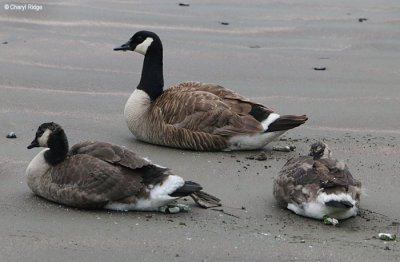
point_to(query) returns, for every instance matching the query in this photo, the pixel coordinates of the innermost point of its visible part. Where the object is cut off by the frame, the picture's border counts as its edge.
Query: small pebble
(255, 46)
(5, 42)
(281, 148)
(261, 157)
(184, 4)
(224, 23)
(319, 68)
(362, 19)
(11, 135)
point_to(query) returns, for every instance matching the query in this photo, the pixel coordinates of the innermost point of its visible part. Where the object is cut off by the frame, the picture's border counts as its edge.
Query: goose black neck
(58, 144)
(152, 80)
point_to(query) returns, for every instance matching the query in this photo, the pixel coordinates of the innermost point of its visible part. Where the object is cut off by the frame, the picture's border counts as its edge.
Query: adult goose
(318, 185)
(194, 115)
(102, 175)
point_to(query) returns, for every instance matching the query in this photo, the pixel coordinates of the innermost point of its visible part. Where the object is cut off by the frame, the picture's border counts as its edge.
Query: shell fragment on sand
(387, 236)
(284, 148)
(330, 221)
(173, 209)
(11, 135)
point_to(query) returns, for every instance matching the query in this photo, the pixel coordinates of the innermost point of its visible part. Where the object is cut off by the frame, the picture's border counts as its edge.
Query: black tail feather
(188, 188)
(286, 122)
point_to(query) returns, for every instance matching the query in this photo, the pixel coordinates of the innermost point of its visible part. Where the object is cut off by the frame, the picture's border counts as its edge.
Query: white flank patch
(44, 138)
(317, 208)
(142, 48)
(159, 196)
(251, 142)
(271, 118)
(135, 108)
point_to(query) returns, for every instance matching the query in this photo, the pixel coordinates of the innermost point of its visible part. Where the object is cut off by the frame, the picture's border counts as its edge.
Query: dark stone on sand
(362, 20)
(5, 42)
(255, 46)
(224, 23)
(319, 68)
(184, 4)
(261, 157)
(11, 135)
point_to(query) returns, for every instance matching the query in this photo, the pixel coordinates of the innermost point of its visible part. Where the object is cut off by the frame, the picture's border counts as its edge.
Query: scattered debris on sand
(284, 148)
(11, 135)
(330, 221)
(387, 236)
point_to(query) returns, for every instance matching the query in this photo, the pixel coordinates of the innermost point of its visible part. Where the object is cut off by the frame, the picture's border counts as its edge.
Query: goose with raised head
(103, 175)
(318, 185)
(195, 115)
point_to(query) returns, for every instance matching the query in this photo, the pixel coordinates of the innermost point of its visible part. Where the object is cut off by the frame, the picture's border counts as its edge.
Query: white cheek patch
(142, 48)
(44, 138)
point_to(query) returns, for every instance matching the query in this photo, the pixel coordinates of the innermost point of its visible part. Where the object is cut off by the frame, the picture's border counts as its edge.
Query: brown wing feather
(207, 108)
(325, 172)
(183, 138)
(110, 153)
(90, 182)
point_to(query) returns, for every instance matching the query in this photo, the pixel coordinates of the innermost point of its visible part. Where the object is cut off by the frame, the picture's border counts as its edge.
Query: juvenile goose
(194, 115)
(102, 175)
(317, 185)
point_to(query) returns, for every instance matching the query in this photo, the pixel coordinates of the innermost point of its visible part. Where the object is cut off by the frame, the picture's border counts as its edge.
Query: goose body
(195, 115)
(100, 175)
(317, 185)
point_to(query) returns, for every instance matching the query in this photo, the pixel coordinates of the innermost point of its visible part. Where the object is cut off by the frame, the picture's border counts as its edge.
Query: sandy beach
(57, 64)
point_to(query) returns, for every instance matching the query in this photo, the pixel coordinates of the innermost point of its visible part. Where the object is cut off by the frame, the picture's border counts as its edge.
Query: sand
(57, 64)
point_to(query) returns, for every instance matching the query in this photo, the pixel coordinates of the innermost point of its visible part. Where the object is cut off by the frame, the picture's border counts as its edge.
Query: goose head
(141, 42)
(320, 150)
(49, 135)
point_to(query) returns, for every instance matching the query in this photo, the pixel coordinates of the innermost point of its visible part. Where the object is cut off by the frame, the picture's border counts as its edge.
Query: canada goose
(102, 175)
(195, 115)
(318, 185)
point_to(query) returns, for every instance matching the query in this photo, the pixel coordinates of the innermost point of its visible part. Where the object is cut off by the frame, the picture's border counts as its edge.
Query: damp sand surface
(57, 64)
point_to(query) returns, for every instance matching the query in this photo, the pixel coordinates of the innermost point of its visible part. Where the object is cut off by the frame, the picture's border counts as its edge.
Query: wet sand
(57, 64)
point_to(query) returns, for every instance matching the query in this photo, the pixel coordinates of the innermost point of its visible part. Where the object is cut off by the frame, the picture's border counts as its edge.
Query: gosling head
(320, 150)
(141, 42)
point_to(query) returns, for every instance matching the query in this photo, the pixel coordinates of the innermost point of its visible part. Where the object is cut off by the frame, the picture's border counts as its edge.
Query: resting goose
(318, 185)
(194, 115)
(102, 175)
